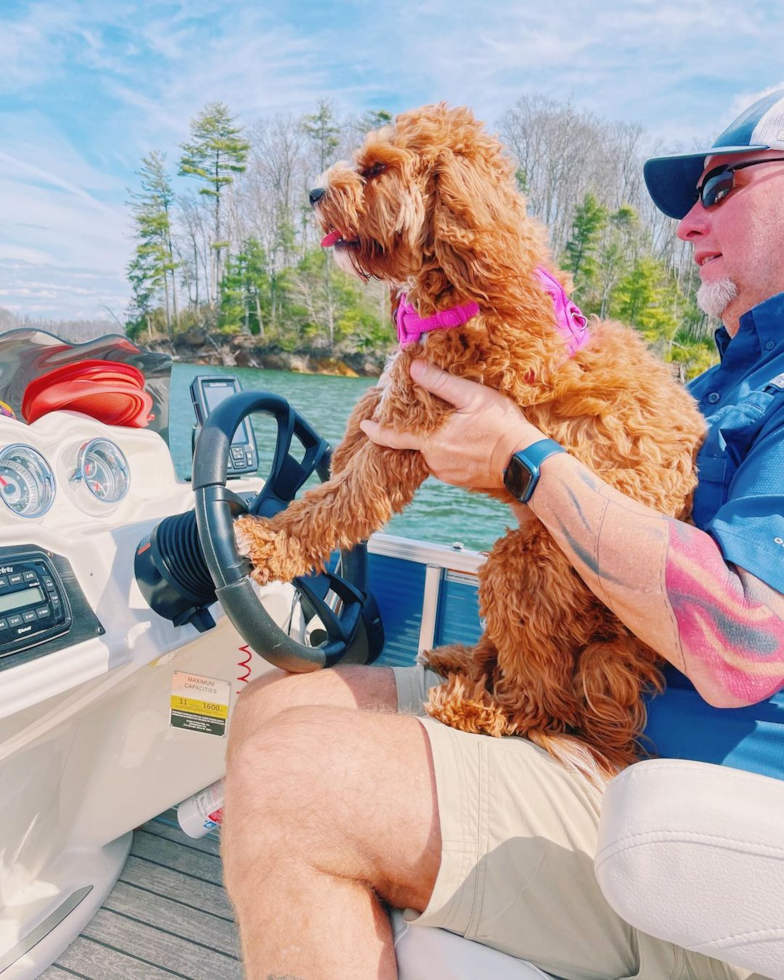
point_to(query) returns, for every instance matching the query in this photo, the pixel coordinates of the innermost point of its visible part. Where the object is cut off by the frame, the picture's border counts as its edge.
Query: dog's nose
(315, 195)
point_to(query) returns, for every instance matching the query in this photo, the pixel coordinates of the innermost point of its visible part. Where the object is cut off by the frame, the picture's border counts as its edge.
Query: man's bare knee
(269, 783)
(351, 686)
(350, 793)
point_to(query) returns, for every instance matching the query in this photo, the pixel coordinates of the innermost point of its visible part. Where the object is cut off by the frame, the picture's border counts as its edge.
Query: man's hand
(473, 447)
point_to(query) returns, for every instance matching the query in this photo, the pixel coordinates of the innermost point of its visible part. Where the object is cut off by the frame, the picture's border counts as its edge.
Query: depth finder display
(214, 394)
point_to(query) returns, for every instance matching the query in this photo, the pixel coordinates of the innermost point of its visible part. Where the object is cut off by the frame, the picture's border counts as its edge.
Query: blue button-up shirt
(740, 502)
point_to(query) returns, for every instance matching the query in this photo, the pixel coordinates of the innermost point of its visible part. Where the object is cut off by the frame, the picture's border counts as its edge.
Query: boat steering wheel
(352, 631)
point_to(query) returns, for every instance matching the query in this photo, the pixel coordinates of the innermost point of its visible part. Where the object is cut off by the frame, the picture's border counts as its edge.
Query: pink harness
(571, 323)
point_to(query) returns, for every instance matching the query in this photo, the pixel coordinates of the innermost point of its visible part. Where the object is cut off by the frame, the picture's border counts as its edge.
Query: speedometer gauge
(27, 484)
(103, 470)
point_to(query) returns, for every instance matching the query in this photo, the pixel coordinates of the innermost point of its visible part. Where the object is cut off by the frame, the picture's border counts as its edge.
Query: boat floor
(167, 916)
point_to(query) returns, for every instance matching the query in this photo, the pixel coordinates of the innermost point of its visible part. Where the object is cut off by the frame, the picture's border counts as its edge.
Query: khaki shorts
(518, 840)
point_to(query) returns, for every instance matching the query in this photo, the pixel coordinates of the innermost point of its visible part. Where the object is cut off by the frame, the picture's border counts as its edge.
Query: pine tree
(375, 119)
(145, 280)
(590, 217)
(323, 131)
(151, 208)
(645, 299)
(244, 290)
(616, 254)
(214, 155)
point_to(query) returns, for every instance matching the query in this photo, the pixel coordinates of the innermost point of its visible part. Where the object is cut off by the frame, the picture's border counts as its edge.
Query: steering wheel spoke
(319, 608)
(287, 476)
(237, 505)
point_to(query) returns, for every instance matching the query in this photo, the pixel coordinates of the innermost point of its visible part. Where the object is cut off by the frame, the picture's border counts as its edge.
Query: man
(331, 811)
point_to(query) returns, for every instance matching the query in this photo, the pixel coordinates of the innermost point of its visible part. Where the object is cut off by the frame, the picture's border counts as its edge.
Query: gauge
(103, 470)
(26, 481)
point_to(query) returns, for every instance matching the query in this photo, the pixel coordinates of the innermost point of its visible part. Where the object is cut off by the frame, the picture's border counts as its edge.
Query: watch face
(517, 478)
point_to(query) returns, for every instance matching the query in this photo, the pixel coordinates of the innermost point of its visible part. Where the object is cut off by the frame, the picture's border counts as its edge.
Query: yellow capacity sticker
(200, 707)
(199, 704)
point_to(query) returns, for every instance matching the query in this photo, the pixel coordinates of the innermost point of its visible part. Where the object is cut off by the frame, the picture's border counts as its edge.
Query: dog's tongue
(329, 240)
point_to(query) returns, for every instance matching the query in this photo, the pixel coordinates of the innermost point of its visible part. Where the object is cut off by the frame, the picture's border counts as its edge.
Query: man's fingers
(384, 436)
(457, 391)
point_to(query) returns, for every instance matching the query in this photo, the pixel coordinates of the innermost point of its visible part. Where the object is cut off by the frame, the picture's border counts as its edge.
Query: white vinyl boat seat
(689, 852)
(694, 853)
(424, 953)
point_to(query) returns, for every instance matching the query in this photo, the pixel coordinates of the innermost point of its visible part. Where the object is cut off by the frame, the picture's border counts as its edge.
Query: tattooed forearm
(669, 583)
(281, 976)
(731, 625)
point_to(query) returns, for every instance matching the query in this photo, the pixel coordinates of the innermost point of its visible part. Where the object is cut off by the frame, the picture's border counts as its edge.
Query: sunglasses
(721, 180)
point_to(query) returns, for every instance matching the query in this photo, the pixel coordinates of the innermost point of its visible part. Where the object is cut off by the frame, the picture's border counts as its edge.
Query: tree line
(237, 252)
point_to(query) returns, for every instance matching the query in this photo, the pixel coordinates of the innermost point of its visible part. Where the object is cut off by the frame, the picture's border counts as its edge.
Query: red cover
(110, 392)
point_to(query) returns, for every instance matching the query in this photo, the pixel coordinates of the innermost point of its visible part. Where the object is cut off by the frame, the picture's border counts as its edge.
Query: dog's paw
(256, 541)
(276, 556)
(260, 575)
(242, 540)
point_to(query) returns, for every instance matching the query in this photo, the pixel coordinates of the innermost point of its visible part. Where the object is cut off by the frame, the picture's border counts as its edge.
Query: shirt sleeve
(749, 526)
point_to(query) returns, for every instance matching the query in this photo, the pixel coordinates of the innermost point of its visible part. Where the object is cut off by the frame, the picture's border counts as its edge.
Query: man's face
(741, 238)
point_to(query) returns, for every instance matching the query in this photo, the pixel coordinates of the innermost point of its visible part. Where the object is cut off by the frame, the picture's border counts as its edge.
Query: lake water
(439, 513)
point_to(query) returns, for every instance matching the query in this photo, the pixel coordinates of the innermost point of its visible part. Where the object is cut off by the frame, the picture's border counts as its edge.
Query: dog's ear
(477, 222)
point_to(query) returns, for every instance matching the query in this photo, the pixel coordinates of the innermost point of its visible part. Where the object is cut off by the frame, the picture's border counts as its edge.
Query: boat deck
(167, 916)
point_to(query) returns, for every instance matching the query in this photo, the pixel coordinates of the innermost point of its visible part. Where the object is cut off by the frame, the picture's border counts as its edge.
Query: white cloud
(59, 291)
(24, 169)
(49, 224)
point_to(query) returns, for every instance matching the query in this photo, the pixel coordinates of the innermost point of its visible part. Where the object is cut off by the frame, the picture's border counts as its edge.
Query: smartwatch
(522, 473)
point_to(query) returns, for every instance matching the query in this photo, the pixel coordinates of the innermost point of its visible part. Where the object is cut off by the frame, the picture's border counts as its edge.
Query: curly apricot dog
(430, 205)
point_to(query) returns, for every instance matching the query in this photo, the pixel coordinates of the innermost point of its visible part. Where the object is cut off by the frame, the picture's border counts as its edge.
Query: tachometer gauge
(103, 470)
(27, 484)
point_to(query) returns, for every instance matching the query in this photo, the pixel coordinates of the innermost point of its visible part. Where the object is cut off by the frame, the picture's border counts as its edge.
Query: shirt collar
(761, 325)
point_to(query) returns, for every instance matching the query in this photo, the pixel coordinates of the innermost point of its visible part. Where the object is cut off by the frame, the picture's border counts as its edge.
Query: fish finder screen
(214, 394)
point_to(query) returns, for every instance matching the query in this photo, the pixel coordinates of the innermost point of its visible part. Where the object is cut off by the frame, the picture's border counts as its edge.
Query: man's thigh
(353, 686)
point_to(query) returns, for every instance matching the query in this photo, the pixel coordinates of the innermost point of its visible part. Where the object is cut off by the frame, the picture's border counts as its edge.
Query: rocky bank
(199, 347)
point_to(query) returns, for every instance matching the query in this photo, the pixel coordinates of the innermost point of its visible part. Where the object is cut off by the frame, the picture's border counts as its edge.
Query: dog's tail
(579, 758)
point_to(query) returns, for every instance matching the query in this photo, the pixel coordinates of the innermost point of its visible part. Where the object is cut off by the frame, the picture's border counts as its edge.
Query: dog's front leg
(354, 436)
(374, 483)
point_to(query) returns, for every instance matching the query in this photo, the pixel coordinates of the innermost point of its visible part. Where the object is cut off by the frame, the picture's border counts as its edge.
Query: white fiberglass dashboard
(109, 713)
(97, 537)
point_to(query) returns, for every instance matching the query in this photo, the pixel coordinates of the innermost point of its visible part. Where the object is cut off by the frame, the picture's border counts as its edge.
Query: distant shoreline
(199, 347)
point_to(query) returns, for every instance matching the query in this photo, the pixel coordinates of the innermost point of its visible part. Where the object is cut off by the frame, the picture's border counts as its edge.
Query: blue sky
(89, 86)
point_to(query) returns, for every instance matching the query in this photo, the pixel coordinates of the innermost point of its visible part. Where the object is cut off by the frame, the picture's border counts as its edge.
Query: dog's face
(418, 197)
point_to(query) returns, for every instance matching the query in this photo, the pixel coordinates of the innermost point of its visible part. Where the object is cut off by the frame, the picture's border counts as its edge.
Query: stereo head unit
(34, 605)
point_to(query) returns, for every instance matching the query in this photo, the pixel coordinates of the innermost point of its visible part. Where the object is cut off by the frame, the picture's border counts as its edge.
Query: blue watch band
(530, 460)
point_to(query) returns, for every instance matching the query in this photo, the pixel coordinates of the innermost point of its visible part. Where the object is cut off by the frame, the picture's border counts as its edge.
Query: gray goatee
(714, 297)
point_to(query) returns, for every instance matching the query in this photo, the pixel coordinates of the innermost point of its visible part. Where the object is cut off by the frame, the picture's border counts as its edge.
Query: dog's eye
(374, 170)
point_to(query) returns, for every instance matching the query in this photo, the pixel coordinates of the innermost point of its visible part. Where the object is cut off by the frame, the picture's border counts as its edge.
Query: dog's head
(430, 203)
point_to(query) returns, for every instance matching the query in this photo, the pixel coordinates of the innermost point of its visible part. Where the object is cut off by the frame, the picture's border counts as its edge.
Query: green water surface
(439, 513)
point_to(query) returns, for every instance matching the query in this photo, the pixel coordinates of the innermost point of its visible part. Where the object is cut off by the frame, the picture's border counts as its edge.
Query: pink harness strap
(571, 323)
(410, 326)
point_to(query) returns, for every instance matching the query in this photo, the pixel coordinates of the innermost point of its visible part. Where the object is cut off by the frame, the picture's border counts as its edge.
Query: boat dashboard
(76, 498)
